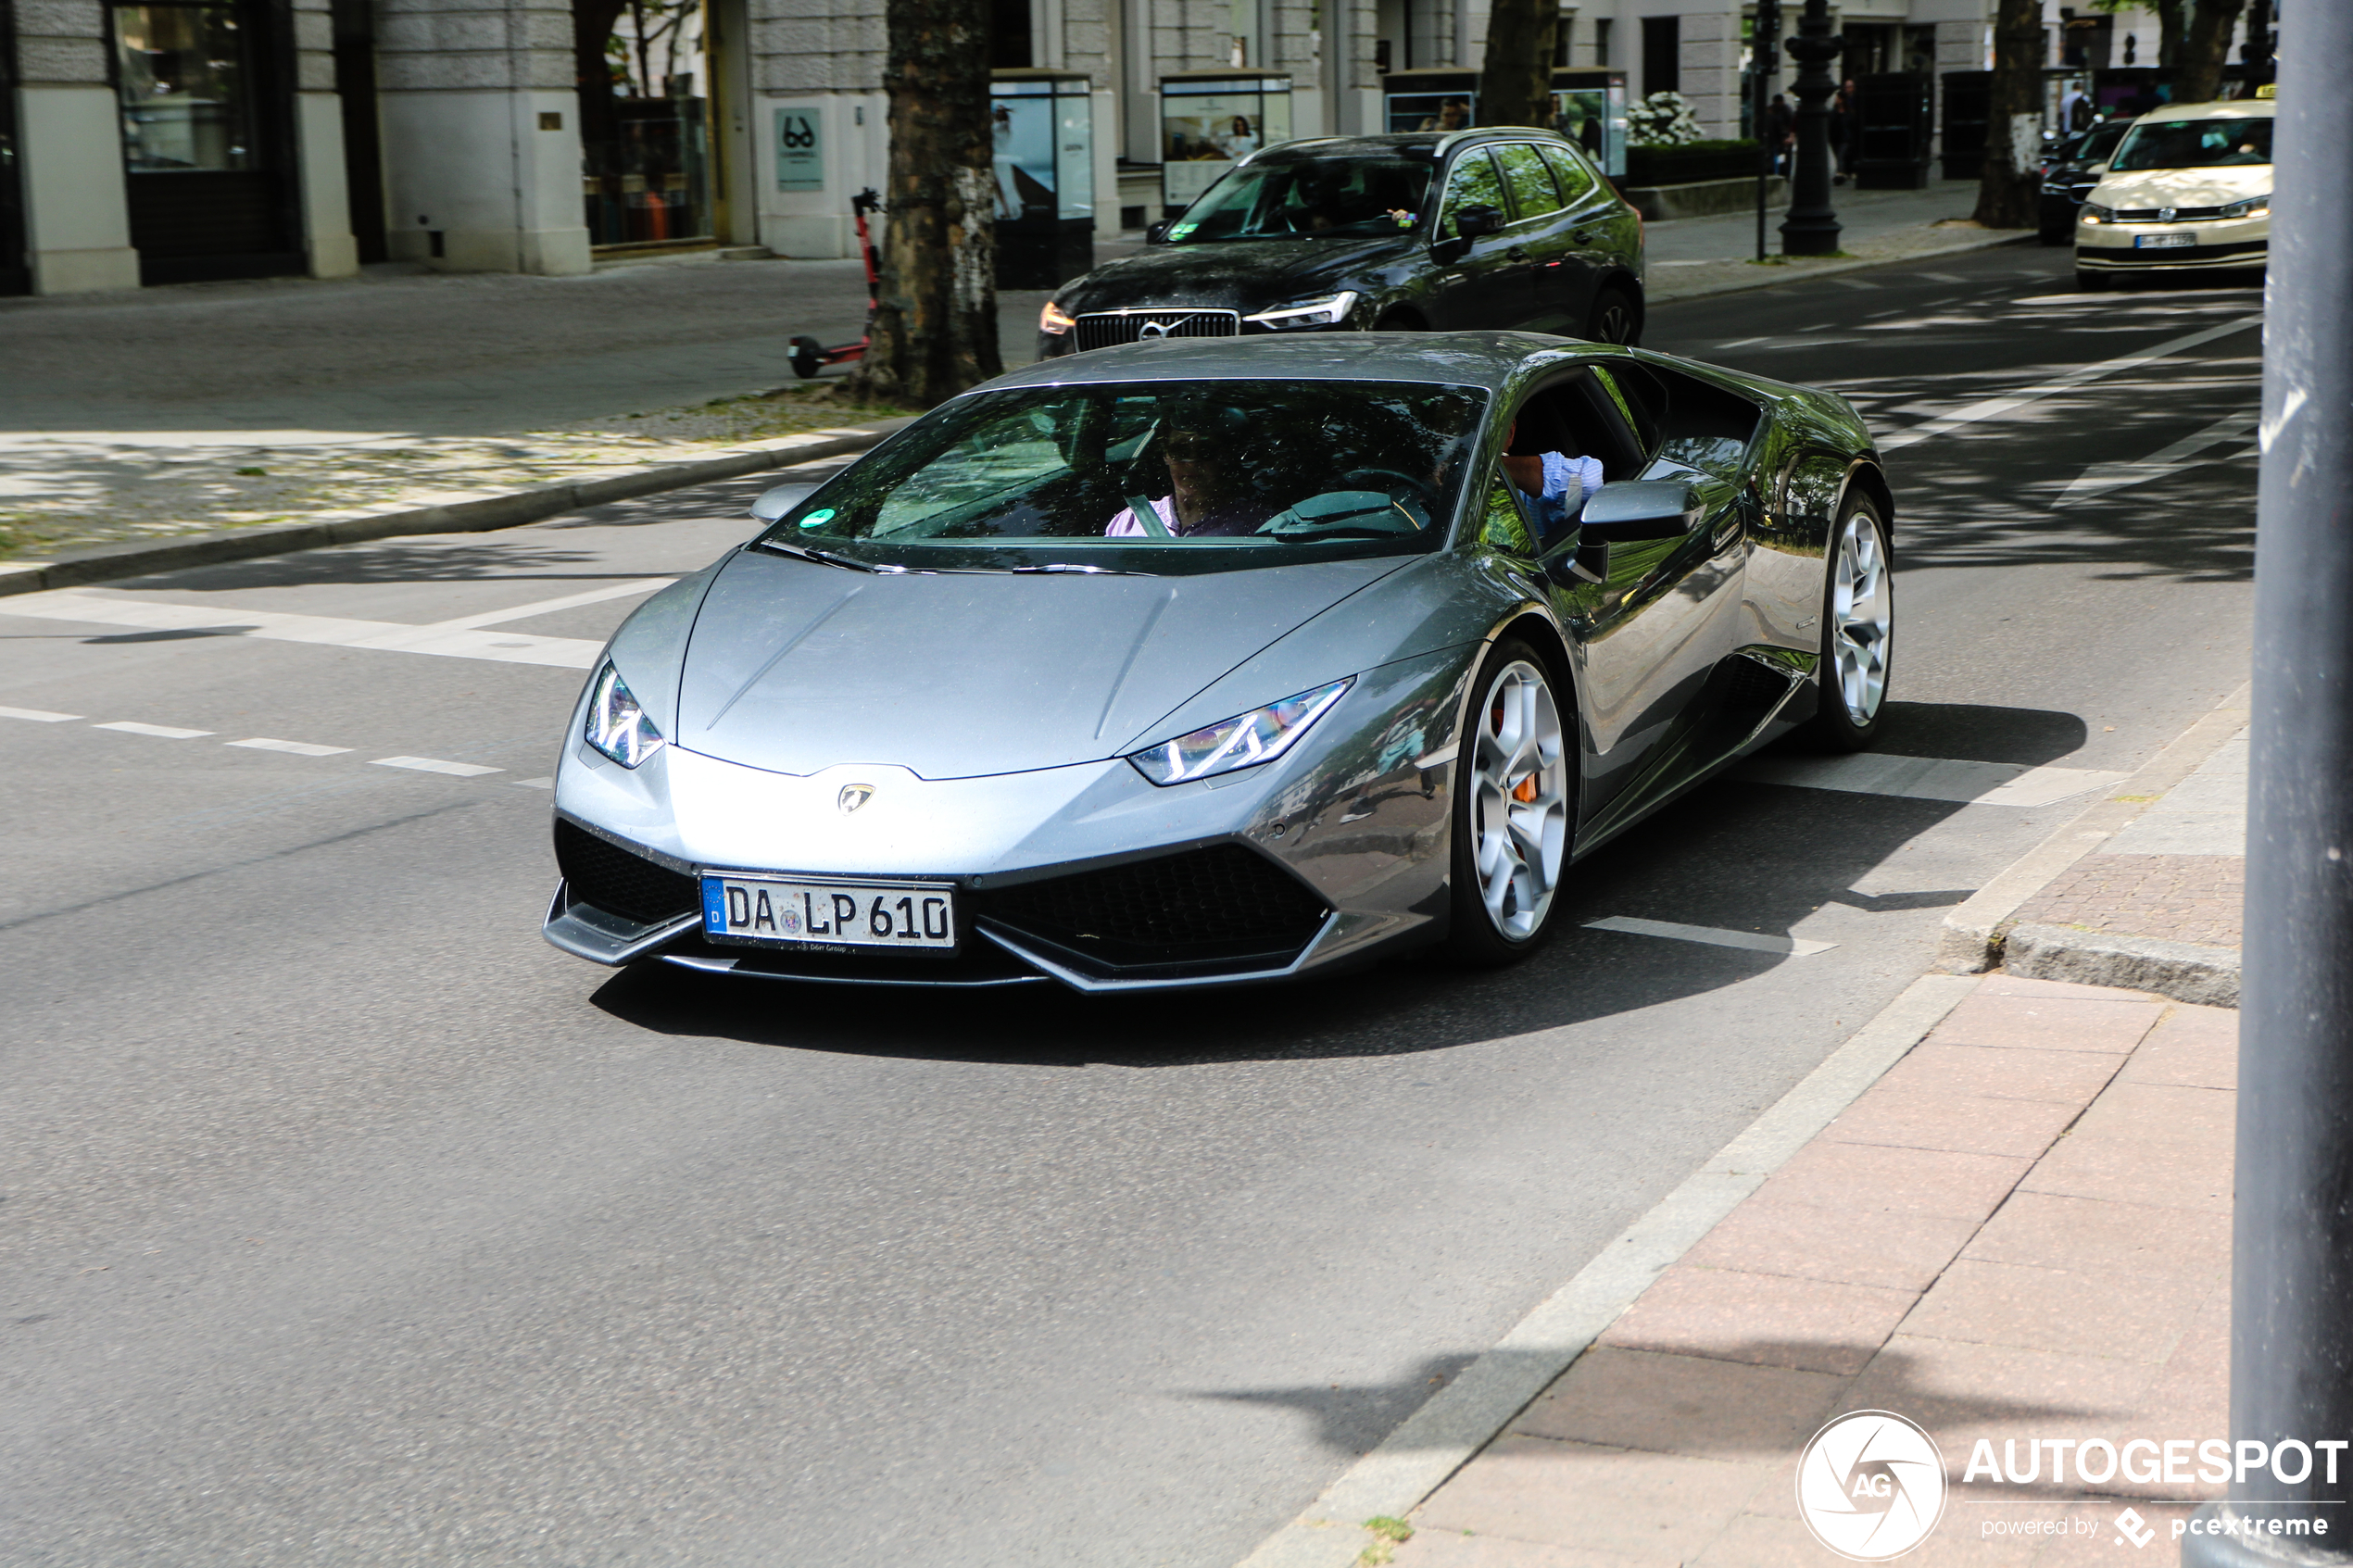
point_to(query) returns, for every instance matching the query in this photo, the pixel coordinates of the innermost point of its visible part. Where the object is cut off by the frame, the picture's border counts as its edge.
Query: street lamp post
(1768, 59)
(2292, 1221)
(1811, 228)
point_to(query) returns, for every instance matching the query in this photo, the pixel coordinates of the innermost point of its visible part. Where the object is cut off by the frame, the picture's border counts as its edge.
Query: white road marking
(1852, 284)
(291, 747)
(1742, 342)
(161, 732)
(1941, 278)
(2101, 478)
(1929, 778)
(548, 607)
(449, 642)
(434, 765)
(1714, 936)
(535, 784)
(1989, 408)
(39, 715)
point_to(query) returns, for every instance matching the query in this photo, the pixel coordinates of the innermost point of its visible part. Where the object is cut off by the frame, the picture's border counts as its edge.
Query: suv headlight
(2254, 206)
(2095, 213)
(617, 727)
(1329, 311)
(1244, 741)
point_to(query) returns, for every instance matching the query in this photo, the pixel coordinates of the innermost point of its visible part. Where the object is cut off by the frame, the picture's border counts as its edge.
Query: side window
(1471, 182)
(1530, 181)
(1575, 178)
(1639, 416)
(1505, 526)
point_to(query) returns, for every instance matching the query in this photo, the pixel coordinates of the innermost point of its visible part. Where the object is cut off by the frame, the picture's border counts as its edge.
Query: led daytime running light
(617, 727)
(1244, 740)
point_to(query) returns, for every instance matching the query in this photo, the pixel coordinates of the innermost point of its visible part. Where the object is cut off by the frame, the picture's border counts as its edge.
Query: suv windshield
(1206, 476)
(1336, 197)
(2194, 144)
(2099, 141)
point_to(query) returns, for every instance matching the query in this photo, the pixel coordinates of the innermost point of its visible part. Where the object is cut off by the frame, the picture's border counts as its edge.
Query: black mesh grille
(1204, 905)
(618, 882)
(1103, 329)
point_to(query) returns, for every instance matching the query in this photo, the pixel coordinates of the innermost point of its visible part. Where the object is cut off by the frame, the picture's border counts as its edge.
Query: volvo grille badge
(1151, 330)
(854, 796)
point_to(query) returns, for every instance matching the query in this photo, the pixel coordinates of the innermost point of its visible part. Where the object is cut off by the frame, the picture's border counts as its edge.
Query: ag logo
(1870, 1485)
(854, 796)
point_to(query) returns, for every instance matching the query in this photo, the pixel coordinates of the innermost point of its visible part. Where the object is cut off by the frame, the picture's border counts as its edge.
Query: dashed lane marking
(1941, 277)
(39, 715)
(1714, 936)
(291, 747)
(434, 765)
(161, 732)
(535, 784)
(1929, 778)
(550, 607)
(1853, 283)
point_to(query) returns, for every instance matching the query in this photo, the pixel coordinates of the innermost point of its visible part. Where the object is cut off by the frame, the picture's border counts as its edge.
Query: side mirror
(1157, 235)
(1472, 222)
(1641, 509)
(774, 504)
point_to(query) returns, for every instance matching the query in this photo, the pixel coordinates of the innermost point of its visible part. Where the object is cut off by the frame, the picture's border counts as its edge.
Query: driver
(1209, 490)
(1556, 482)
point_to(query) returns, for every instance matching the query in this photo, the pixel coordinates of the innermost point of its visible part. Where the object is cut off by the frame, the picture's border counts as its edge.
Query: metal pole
(2292, 1225)
(1769, 60)
(1811, 228)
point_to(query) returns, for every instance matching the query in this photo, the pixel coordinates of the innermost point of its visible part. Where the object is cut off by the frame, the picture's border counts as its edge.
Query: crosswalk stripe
(1714, 936)
(434, 765)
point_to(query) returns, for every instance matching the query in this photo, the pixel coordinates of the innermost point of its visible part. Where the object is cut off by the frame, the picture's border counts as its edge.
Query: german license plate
(2163, 242)
(824, 912)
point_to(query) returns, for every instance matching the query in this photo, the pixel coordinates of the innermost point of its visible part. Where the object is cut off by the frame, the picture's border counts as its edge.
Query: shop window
(185, 88)
(1662, 54)
(645, 128)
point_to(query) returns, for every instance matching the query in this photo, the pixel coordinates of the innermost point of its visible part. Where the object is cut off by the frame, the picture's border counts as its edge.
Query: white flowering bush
(1662, 119)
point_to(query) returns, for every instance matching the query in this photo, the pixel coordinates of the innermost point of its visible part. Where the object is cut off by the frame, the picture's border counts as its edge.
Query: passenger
(1557, 482)
(1209, 488)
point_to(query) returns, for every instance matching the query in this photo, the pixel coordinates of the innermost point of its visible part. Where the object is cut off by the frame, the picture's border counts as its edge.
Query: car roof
(1435, 144)
(1486, 359)
(2228, 109)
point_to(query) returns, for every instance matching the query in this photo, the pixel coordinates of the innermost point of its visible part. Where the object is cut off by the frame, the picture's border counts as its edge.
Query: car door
(1475, 285)
(1588, 239)
(1541, 247)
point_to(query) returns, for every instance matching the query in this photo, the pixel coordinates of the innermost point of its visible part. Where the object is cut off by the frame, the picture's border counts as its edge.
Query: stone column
(318, 169)
(1709, 64)
(77, 211)
(482, 135)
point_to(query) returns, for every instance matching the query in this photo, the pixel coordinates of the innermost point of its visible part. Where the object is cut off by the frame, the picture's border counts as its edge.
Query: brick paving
(2171, 897)
(2020, 1232)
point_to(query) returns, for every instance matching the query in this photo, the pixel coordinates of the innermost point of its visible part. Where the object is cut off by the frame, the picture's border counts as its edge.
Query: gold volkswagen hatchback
(2189, 189)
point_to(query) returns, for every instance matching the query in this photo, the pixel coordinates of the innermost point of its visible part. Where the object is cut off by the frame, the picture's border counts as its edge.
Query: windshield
(2194, 144)
(1205, 476)
(2099, 141)
(1334, 197)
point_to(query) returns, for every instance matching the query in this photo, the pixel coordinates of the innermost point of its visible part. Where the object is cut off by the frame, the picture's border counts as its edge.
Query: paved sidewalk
(2021, 1232)
(1691, 256)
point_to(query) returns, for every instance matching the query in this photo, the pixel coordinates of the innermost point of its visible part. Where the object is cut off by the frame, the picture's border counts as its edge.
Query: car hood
(2183, 187)
(1244, 275)
(795, 667)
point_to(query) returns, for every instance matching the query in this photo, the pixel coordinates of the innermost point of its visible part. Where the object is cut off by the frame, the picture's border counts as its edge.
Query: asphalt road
(344, 1221)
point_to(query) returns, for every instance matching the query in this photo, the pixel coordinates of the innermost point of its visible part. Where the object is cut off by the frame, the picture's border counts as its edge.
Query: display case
(1210, 120)
(1588, 106)
(1043, 123)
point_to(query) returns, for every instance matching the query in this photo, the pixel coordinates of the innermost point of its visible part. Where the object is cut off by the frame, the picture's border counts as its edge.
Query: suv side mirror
(1632, 509)
(774, 503)
(1472, 222)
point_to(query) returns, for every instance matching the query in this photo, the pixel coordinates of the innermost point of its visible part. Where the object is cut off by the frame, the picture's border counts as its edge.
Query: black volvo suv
(1501, 227)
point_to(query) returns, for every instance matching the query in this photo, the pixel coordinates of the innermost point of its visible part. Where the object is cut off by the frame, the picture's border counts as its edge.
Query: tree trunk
(2205, 50)
(2169, 31)
(2011, 173)
(1516, 82)
(934, 330)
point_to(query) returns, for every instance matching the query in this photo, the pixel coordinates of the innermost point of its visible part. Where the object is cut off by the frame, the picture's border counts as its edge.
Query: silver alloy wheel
(1862, 617)
(1520, 800)
(1615, 323)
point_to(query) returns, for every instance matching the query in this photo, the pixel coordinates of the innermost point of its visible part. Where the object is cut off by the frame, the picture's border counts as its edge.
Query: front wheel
(808, 357)
(1859, 627)
(1616, 318)
(1511, 816)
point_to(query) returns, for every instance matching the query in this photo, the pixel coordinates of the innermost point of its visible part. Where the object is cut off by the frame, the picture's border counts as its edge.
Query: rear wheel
(1513, 800)
(1859, 627)
(808, 357)
(1616, 318)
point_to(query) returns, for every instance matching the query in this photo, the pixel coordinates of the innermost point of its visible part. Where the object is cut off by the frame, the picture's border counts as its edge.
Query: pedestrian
(1842, 132)
(1779, 125)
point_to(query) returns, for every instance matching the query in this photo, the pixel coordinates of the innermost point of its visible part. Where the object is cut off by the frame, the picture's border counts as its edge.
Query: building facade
(158, 141)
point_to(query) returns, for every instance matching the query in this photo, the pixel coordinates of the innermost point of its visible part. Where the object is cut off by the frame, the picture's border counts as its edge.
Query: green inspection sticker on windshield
(1178, 231)
(818, 519)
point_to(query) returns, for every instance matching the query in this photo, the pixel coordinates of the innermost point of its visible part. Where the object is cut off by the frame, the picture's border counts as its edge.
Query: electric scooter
(809, 355)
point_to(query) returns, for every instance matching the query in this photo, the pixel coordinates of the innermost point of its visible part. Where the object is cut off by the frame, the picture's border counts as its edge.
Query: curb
(1465, 1416)
(1978, 932)
(467, 514)
(2187, 972)
(1744, 285)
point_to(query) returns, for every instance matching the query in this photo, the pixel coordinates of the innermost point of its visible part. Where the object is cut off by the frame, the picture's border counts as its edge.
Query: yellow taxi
(2189, 189)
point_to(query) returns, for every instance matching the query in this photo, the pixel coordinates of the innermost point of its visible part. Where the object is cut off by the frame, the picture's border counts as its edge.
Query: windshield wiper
(1088, 571)
(809, 552)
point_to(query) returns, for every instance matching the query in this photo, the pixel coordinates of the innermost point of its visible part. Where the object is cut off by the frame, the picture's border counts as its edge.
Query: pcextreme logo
(1870, 1485)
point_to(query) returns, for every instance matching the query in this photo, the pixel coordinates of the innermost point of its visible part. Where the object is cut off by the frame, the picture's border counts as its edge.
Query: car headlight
(1329, 311)
(2254, 206)
(617, 727)
(1054, 321)
(1244, 741)
(2051, 190)
(2095, 213)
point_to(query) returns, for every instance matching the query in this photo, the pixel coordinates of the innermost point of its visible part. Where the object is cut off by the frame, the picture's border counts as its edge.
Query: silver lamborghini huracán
(1197, 662)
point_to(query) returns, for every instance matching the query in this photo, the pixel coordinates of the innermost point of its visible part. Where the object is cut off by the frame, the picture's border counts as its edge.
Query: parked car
(2188, 189)
(1495, 228)
(2074, 169)
(1193, 663)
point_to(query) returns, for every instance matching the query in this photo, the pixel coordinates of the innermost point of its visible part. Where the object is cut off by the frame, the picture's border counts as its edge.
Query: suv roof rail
(1447, 142)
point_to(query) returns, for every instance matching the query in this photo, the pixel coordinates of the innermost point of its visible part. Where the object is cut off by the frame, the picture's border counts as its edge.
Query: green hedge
(1690, 163)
